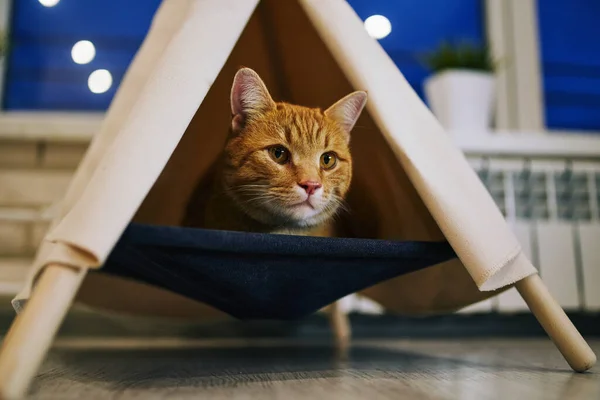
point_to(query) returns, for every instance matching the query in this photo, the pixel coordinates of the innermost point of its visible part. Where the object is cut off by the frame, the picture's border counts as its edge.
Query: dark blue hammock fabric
(263, 276)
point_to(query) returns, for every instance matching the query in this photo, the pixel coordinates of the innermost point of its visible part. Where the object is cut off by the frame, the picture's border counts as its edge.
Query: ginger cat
(285, 169)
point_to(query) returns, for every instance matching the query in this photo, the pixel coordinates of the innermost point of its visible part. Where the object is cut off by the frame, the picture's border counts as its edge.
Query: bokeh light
(100, 81)
(83, 52)
(378, 26)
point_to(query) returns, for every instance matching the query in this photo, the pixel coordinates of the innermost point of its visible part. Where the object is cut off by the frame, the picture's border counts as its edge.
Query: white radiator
(552, 205)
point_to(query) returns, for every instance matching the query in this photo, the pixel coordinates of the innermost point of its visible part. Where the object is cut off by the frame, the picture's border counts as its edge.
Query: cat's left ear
(347, 110)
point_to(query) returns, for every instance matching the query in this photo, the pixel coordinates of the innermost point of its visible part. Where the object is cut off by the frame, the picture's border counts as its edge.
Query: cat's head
(286, 165)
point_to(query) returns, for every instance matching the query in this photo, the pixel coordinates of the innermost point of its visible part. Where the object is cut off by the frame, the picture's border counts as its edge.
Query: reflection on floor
(401, 369)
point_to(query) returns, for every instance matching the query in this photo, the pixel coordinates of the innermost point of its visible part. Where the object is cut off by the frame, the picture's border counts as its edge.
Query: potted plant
(3, 44)
(461, 89)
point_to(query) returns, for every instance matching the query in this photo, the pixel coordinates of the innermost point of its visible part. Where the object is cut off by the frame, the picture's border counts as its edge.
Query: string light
(100, 81)
(378, 26)
(83, 52)
(48, 3)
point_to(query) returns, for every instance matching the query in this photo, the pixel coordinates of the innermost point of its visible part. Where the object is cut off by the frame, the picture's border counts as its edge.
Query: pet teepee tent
(169, 121)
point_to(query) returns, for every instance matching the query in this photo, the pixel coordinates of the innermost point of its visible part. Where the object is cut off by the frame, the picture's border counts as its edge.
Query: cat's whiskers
(340, 203)
(252, 189)
(278, 202)
(262, 200)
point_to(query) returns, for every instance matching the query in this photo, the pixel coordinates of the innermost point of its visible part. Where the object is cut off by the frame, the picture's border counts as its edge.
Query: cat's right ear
(249, 97)
(347, 110)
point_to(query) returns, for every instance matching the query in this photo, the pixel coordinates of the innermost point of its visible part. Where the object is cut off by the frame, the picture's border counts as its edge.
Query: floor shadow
(230, 366)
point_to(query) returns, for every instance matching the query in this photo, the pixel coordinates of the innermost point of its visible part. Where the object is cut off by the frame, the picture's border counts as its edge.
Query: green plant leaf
(3, 43)
(461, 56)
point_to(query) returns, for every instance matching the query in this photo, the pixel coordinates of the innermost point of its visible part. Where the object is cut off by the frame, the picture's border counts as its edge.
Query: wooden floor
(468, 369)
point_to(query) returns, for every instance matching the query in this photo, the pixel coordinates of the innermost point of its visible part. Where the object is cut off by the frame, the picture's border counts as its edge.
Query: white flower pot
(462, 100)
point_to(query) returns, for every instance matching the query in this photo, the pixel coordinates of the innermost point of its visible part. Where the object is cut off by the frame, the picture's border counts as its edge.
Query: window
(41, 73)
(570, 60)
(549, 75)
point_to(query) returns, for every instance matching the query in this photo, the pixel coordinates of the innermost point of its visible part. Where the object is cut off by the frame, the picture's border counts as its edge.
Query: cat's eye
(328, 160)
(279, 154)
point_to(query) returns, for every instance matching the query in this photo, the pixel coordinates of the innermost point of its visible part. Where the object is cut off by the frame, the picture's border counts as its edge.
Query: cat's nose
(310, 186)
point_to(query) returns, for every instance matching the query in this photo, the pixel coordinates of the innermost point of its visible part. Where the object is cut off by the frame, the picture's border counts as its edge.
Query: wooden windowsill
(80, 127)
(49, 126)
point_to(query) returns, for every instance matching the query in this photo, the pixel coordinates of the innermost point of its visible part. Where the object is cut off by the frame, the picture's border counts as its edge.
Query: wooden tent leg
(555, 322)
(340, 325)
(33, 331)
